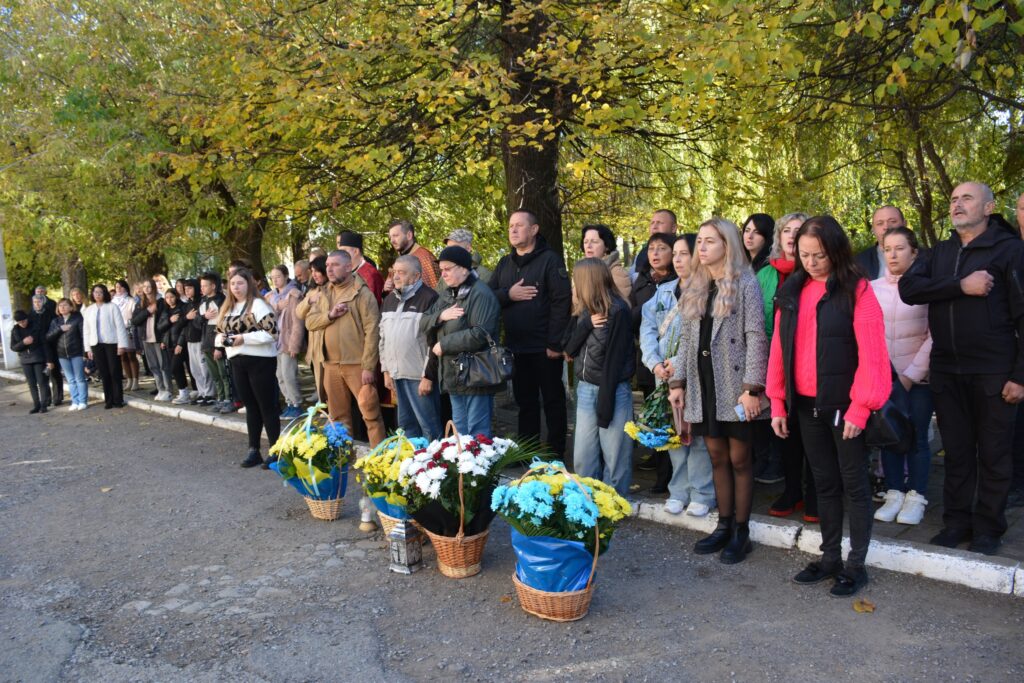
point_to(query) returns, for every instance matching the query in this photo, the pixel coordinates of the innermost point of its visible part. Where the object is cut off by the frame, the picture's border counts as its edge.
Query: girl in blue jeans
(601, 340)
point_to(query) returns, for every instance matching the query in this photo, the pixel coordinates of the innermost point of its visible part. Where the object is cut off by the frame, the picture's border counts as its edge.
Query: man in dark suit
(872, 260)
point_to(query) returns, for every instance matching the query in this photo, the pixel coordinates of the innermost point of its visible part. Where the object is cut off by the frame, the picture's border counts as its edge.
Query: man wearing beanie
(352, 243)
(533, 288)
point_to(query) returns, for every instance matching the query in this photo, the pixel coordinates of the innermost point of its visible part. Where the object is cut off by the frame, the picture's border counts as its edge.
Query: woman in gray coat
(719, 376)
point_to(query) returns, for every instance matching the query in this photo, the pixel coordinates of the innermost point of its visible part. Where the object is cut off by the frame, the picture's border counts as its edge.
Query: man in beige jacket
(347, 314)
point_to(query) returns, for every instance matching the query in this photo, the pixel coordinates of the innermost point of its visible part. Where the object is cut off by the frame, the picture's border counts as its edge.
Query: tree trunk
(246, 242)
(531, 170)
(145, 267)
(72, 274)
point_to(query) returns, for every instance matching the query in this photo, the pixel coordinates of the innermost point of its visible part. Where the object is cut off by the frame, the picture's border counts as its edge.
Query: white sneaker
(83, 406)
(182, 399)
(912, 511)
(673, 506)
(696, 509)
(891, 507)
(163, 396)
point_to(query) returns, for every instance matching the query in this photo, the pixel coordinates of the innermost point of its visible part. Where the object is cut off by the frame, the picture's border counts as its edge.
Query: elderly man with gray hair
(972, 285)
(410, 371)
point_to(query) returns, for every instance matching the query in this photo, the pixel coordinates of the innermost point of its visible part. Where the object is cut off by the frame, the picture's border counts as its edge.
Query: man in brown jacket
(347, 314)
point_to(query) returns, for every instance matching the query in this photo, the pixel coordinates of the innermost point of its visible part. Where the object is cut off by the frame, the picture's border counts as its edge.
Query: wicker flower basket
(328, 510)
(565, 605)
(459, 556)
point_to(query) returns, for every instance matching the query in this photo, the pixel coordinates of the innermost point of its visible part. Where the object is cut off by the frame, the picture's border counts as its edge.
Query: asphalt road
(133, 548)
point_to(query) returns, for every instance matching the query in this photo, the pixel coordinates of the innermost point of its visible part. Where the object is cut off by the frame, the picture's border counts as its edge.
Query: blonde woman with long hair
(601, 341)
(720, 373)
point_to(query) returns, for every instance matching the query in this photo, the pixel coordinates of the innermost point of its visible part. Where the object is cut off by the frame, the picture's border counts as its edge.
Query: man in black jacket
(532, 285)
(973, 284)
(29, 340)
(872, 260)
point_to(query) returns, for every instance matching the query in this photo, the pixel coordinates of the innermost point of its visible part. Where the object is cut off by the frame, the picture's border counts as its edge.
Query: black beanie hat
(350, 239)
(458, 256)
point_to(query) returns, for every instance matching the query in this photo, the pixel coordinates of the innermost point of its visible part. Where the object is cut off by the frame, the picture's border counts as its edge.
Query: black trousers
(38, 383)
(1018, 450)
(256, 383)
(839, 466)
(537, 378)
(56, 379)
(178, 362)
(109, 367)
(976, 425)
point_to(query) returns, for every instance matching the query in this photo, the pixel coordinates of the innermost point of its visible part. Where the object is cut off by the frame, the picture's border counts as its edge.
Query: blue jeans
(917, 405)
(691, 475)
(603, 453)
(471, 413)
(74, 370)
(418, 415)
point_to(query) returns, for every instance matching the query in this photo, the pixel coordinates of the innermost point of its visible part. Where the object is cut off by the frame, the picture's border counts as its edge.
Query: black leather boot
(253, 460)
(739, 545)
(717, 540)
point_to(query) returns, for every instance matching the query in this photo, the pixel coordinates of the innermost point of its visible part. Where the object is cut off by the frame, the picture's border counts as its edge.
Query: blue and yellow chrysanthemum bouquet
(558, 520)
(379, 473)
(654, 428)
(313, 455)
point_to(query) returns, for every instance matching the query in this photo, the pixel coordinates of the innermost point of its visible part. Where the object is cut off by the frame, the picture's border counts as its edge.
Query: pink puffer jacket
(906, 330)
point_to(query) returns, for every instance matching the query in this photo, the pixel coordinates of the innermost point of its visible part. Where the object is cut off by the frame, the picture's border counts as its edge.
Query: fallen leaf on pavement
(863, 606)
(506, 598)
(106, 489)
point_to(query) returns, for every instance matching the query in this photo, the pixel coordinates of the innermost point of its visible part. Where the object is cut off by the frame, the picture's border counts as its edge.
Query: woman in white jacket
(909, 344)
(106, 337)
(247, 329)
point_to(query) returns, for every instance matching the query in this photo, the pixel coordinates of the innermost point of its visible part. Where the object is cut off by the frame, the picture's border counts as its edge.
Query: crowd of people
(772, 340)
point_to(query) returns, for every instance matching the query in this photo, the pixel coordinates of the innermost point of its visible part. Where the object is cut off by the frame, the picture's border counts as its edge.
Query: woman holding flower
(719, 373)
(689, 482)
(601, 340)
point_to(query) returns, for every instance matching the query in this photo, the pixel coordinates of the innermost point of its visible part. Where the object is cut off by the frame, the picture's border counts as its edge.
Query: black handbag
(890, 429)
(485, 368)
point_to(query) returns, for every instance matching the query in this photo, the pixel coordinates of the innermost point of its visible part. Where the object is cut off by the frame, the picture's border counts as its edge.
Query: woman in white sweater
(106, 337)
(247, 329)
(910, 345)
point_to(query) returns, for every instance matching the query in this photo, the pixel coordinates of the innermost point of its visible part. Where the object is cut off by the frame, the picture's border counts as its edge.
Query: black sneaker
(849, 582)
(253, 459)
(268, 462)
(816, 572)
(951, 538)
(986, 545)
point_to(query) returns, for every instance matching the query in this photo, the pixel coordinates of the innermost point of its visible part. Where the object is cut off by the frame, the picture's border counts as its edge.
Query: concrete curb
(992, 574)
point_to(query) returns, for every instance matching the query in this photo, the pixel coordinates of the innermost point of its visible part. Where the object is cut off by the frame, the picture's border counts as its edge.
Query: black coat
(67, 344)
(29, 353)
(617, 355)
(538, 324)
(973, 335)
(141, 316)
(168, 333)
(868, 262)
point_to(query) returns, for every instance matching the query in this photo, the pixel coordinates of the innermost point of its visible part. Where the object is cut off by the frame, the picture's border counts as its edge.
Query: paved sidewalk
(908, 550)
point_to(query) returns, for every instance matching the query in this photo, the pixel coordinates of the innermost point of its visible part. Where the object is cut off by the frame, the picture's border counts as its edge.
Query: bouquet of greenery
(313, 455)
(379, 472)
(453, 477)
(558, 520)
(654, 427)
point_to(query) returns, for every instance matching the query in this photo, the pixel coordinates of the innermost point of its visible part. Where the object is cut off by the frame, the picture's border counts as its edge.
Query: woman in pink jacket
(910, 345)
